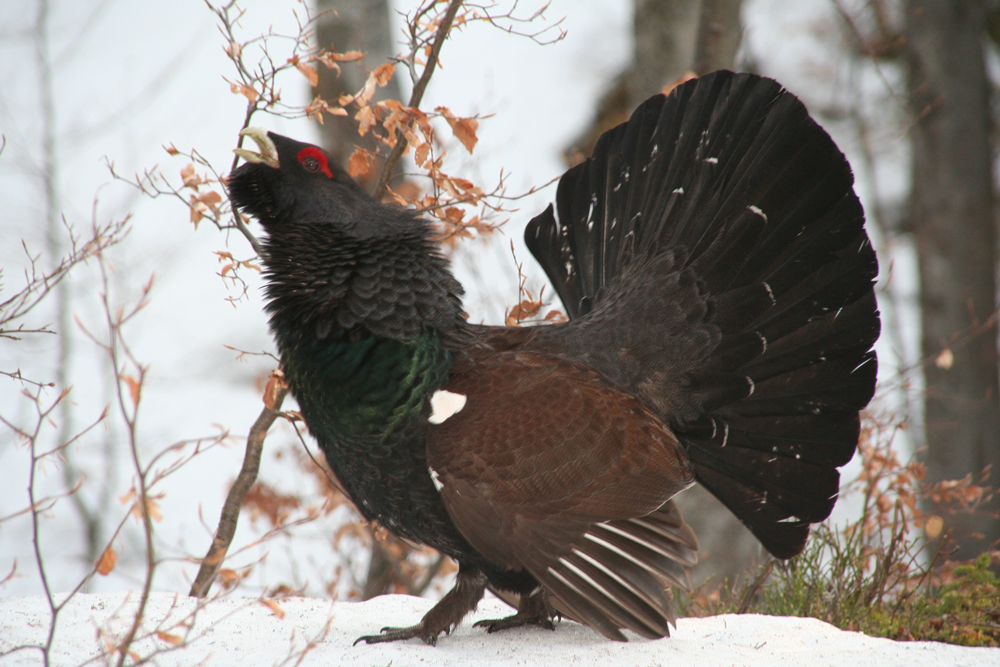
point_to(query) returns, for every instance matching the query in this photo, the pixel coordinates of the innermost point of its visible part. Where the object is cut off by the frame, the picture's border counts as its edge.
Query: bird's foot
(531, 610)
(518, 620)
(425, 635)
(443, 616)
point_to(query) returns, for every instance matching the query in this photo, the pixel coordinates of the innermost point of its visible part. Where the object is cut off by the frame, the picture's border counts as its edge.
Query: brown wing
(549, 468)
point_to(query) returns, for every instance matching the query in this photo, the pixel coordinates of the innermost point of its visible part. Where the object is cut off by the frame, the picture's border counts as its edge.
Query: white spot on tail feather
(758, 212)
(770, 294)
(445, 404)
(712, 160)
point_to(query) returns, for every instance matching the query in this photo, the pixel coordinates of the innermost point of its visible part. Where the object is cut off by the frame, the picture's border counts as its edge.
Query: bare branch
(234, 500)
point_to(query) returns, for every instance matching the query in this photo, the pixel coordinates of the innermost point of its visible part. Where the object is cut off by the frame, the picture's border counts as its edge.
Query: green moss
(841, 578)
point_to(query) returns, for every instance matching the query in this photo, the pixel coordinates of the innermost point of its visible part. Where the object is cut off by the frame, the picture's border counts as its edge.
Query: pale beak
(268, 153)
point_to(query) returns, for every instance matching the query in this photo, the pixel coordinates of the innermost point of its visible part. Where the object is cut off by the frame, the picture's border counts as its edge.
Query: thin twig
(753, 589)
(212, 562)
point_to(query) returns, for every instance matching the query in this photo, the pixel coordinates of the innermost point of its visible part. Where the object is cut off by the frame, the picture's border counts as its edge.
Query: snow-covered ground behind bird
(183, 631)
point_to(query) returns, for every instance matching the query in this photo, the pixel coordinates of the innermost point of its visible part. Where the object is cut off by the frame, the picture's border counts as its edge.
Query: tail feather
(747, 194)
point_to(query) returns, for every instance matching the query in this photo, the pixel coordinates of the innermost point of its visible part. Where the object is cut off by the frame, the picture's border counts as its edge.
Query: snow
(246, 631)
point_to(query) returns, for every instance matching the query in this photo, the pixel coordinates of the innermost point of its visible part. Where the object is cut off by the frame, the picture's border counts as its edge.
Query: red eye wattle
(314, 160)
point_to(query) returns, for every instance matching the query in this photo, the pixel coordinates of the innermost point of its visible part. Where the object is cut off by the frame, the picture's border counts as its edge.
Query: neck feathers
(324, 281)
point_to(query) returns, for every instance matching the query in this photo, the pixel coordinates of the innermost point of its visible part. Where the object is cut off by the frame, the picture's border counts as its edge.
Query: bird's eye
(314, 161)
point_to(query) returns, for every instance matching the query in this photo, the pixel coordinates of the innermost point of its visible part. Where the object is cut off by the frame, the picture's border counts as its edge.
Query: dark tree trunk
(674, 37)
(954, 220)
(353, 25)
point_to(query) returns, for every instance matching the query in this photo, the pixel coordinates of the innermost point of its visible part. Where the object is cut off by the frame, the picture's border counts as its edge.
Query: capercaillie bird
(712, 258)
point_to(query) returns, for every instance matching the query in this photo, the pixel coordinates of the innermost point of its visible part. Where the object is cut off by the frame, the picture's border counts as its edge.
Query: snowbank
(248, 632)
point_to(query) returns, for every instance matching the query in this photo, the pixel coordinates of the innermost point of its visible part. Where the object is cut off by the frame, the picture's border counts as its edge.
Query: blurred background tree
(953, 216)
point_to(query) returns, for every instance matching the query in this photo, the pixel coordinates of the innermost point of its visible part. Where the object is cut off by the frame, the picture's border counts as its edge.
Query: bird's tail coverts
(731, 175)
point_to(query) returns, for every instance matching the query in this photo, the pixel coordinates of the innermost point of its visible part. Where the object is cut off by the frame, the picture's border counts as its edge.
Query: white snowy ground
(249, 633)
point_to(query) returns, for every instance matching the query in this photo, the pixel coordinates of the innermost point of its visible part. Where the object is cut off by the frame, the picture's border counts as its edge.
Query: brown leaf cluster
(308, 71)
(200, 203)
(530, 308)
(246, 91)
(263, 501)
(391, 121)
(152, 508)
(896, 490)
(318, 107)
(379, 77)
(331, 58)
(232, 263)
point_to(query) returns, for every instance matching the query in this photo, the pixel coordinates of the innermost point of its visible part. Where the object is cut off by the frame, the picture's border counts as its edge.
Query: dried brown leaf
(229, 578)
(244, 90)
(421, 154)
(309, 72)
(346, 56)
(273, 606)
(173, 640)
(275, 382)
(366, 119)
(318, 107)
(933, 527)
(196, 214)
(107, 561)
(134, 388)
(556, 316)
(153, 508)
(383, 74)
(464, 130)
(191, 179)
(211, 199)
(361, 163)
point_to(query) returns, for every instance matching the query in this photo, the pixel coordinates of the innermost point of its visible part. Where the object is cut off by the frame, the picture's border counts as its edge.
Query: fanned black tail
(729, 184)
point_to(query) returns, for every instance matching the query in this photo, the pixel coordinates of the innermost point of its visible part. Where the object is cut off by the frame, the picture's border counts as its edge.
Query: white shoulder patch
(434, 478)
(445, 404)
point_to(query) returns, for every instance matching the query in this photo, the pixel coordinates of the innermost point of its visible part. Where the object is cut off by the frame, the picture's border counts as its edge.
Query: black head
(293, 182)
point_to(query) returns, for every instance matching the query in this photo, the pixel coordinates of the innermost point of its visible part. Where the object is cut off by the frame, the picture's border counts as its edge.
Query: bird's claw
(390, 634)
(516, 621)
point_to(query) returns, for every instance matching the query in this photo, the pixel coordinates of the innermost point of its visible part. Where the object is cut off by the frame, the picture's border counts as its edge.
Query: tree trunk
(954, 220)
(674, 37)
(352, 25)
